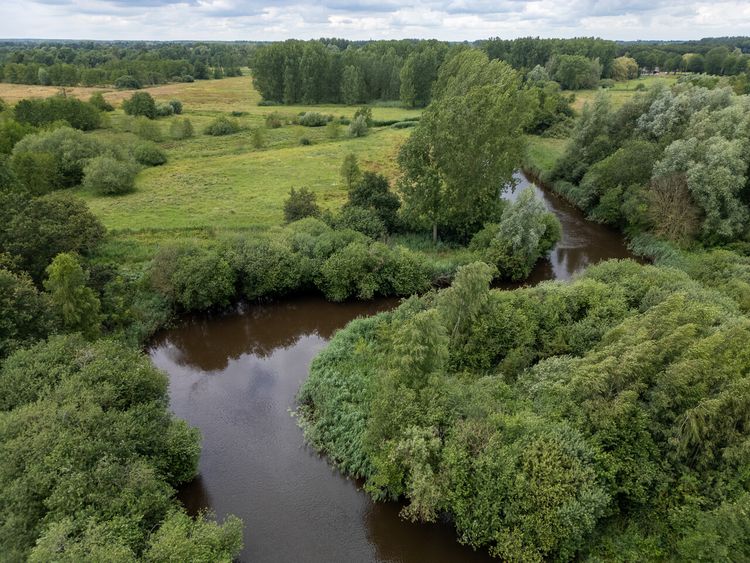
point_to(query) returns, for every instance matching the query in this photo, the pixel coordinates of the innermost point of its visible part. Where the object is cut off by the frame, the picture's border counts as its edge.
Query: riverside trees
(466, 147)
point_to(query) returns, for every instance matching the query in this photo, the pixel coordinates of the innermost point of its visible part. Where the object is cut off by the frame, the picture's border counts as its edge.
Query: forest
(603, 417)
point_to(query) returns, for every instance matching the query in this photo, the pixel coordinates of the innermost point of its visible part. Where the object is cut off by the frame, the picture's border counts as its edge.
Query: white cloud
(370, 19)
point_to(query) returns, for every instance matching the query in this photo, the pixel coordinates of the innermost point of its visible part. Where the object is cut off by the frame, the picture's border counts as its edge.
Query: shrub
(366, 113)
(106, 175)
(164, 110)
(194, 278)
(11, 132)
(40, 112)
(640, 87)
(37, 172)
(70, 147)
(181, 129)
(361, 219)
(312, 119)
(97, 100)
(358, 127)
(140, 103)
(304, 141)
(176, 106)
(333, 130)
(606, 83)
(127, 82)
(372, 192)
(38, 229)
(147, 129)
(404, 124)
(300, 204)
(149, 154)
(259, 138)
(274, 120)
(264, 267)
(222, 126)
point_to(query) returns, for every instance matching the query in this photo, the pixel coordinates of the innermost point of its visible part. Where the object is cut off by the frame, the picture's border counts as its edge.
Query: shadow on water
(236, 378)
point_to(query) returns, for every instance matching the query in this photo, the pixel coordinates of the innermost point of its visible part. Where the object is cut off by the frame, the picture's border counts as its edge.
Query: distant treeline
(337, 71)
(126, 64)
(714, 55)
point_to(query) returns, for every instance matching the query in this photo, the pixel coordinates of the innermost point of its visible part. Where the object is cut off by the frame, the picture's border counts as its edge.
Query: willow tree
(466, 147)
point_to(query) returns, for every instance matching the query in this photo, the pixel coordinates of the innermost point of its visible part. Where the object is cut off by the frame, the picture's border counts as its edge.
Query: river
(236, 376)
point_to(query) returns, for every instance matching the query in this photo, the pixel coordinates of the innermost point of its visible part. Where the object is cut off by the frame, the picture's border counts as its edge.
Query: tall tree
(466, 147)
(77, 304)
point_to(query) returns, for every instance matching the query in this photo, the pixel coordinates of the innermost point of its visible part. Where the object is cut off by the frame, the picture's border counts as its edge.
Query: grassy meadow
(213, 184)
(621, 91)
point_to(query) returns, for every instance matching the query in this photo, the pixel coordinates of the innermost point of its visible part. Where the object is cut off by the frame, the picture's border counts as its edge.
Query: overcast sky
(370, 19)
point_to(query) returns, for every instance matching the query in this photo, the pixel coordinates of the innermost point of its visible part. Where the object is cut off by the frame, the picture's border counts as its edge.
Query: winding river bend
(236, 377)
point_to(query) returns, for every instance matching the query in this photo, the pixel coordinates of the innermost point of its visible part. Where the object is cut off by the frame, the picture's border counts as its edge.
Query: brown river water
(236, 377)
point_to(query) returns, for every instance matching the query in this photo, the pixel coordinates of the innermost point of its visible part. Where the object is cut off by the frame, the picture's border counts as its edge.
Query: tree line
(125, 64)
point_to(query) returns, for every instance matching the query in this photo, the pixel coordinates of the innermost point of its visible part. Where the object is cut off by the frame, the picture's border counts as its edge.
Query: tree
(470, 142)
(76, 304)
(350, 172)
(140, 103)
(358, 126)
(525, 233)
(300, 204)
(624, 68)
(36, 172)
(352, 85)
(25, 314)
(37, 229)
(575, 72)
(714, 61)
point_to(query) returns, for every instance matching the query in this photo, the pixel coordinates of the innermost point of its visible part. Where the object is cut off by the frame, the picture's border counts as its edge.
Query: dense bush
(194, 278)
(181, 129)
(164, 110)
(597, 419)
(25, 314)
(149, 154)
(358, 127)
(140, 103)
(97, 100)
(11, 132)
(38, 112)
(176, 106)
(312, 119)
(147, 129)
(372, 191)
(70, 148)
(526, 232)
(127, 82)
(222, 126)
(35, 230)
(274, 120)
(301, 203)
(106, 175)
(361, 219)
(98, 411)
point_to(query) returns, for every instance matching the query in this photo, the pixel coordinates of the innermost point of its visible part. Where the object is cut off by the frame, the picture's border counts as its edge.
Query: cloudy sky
(370, 19)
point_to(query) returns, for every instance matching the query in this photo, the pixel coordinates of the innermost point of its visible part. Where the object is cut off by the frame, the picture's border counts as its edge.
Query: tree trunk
(434, 233)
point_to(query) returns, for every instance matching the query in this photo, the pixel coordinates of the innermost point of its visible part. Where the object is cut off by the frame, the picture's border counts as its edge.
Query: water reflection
(583, 242)
(236, 378)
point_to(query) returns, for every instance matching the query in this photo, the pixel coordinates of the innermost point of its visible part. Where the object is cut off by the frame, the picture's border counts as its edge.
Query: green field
(211, 183)
(621, 91)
